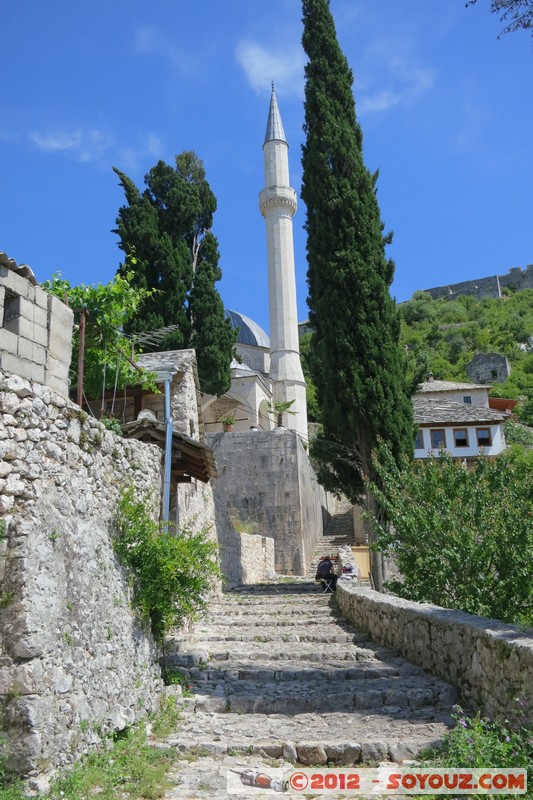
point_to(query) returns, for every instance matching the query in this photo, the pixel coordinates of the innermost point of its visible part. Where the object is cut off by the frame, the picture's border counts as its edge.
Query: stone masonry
(491, 663)
(266, 482)
(516, 278)
(280, 677)
(74, 662)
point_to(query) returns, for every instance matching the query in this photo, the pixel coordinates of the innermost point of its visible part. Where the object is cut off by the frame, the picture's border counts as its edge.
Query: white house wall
(497, 436)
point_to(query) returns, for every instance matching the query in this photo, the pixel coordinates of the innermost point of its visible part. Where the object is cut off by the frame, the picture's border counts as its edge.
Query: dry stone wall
(490, 663)
(74, 662)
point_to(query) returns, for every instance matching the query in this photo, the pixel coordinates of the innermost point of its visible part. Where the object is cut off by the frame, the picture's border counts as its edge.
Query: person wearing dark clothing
(326, 572)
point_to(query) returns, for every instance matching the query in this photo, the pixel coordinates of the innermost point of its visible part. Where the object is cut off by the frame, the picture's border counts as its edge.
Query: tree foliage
(354, 356)
(442, 337)
(168, 227)
(515, 14)
(172, 575)
(461, 538)
(108, 354)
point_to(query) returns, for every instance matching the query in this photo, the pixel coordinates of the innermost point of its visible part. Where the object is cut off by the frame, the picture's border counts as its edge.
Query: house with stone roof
(456, 417)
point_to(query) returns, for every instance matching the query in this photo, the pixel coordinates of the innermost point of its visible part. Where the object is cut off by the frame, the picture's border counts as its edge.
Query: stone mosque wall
(266, 488)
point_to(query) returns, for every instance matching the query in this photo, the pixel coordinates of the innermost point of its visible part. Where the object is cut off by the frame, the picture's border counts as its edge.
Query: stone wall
(489, 662)
(489, 368)
(74, 663)
(516, 278)
(266, 480)
(35, 330)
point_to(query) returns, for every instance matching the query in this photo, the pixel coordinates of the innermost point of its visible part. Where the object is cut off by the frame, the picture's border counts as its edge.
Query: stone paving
(279, 678)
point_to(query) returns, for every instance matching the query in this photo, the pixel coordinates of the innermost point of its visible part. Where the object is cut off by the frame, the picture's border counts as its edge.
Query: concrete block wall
(490, 663)
(35, 332)
(266, 480)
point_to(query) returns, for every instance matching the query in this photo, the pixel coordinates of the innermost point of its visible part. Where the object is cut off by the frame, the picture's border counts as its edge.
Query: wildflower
(507, 738)
(463, 722)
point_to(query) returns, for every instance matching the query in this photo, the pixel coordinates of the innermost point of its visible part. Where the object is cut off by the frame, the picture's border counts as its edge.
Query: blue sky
(446, 111)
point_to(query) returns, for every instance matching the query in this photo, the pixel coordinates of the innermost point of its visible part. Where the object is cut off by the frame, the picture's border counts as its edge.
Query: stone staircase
(339, 533)
(278, 677)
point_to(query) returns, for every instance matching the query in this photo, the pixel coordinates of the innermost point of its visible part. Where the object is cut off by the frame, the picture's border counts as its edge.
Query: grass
(133, 768)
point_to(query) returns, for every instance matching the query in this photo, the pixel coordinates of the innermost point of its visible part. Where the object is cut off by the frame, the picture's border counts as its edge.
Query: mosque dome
(249, 332)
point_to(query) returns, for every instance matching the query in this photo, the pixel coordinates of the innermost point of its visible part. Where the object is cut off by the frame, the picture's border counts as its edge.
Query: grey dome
(249, 331)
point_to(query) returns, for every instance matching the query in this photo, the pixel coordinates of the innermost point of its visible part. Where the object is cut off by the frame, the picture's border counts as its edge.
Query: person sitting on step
(325, 573)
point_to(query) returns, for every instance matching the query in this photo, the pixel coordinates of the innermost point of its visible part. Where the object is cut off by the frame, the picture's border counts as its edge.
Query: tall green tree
(167, 228)
(356, 360)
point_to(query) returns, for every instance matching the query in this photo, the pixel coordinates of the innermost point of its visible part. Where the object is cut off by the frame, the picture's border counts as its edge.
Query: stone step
(216, 634)
(274, 621)
(268, 672)
(313, 739)
(393, 694)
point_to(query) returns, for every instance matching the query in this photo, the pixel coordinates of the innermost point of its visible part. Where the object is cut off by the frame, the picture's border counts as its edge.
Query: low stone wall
(74, 662)
(266, 480)
(489, 662)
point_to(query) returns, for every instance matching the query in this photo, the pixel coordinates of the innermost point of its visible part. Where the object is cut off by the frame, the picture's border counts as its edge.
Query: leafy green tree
(167, 227)
(108, 354)
(515, 14)
(356, 361)
(461, 538)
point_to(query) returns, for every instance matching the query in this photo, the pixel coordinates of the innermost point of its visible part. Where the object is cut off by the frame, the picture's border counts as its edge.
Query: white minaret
(277, 204)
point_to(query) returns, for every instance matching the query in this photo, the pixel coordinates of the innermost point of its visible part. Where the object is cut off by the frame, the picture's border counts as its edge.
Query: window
(438, 439)
(419, 440)
(467, 400)
(484, 438)
(460, 437)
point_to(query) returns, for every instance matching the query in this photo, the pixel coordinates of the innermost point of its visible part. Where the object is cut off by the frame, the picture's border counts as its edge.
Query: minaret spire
(277, 203)
(274, 128)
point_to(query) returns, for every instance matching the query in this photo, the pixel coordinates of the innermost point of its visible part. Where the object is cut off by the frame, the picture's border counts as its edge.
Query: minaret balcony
(278, 197)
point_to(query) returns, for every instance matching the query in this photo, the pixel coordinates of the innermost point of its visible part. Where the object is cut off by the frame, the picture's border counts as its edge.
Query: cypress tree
(356, 361)
(167, 228)
(211, 331)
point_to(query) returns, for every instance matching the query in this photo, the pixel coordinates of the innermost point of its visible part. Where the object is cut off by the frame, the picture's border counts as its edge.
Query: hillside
(442, 337)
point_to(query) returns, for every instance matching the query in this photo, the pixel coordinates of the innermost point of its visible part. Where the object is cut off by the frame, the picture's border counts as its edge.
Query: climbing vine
(171, 574)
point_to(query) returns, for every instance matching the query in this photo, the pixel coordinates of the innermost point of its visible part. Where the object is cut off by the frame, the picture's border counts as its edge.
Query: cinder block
(56, 384)
(20, 326)
(19, 366)
(60, 369)
(61, 317)
(16, 283)
(59, 348)
(41, 298)
(25, 348)
(40, 335)
(8, 342)
(39, 354)
(40, 316)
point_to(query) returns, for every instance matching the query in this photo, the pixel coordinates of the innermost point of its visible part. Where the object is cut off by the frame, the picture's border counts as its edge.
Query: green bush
(171, 574)
(462, 538)
(479, 743)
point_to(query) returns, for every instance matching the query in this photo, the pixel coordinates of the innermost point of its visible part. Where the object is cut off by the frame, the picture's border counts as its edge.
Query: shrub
(462, 538)
(171, 574)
